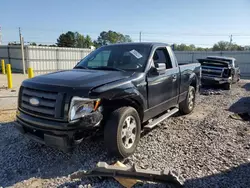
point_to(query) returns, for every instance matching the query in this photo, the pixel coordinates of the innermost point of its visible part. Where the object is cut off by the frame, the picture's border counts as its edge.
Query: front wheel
(188, 104)
(122, 132)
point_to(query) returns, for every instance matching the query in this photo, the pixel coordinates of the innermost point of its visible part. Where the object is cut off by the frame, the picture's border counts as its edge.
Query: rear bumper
(60, 135)
(215, 80)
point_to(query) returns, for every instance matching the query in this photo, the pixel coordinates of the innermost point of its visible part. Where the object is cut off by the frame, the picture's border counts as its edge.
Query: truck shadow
(241, 106)
(246, 86)
(22, 159)
(241, 109)
(235, 177)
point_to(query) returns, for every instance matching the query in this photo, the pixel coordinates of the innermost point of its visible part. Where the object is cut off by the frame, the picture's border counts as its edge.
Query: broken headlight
(79, 107)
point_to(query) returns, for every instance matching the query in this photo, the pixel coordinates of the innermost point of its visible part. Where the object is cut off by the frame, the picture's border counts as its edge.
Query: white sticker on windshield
(136, 54)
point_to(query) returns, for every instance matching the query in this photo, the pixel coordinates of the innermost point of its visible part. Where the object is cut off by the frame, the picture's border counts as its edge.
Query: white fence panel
(51, 59)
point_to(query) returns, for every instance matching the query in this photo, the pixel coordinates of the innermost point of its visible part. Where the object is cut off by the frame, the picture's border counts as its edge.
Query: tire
(188, 104)
(118, 139)
(227, 86)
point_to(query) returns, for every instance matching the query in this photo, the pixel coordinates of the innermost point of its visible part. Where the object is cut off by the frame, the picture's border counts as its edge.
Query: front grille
(48, 102)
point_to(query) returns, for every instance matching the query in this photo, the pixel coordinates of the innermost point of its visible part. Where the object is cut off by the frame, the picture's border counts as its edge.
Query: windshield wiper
(81, 67)
(108, 68)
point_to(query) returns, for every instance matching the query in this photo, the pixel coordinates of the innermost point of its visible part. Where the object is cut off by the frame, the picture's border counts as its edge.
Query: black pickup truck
(119, 89)
(219, 70)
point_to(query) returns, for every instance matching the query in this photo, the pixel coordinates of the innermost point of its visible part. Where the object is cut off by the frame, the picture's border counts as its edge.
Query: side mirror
(158, 69)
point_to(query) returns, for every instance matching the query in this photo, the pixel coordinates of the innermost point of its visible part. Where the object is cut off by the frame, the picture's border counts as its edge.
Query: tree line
(77, 40)
(219, 46)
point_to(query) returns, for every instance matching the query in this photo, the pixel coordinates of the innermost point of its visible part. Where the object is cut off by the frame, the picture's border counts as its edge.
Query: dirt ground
(8, 97)
(207, 147)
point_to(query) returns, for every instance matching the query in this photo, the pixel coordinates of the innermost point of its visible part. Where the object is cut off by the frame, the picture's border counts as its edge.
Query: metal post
(9, 58)
(21, 42)
(30, 73)
(57, 59)
(3, 67)
(9, 76)
(140, 36)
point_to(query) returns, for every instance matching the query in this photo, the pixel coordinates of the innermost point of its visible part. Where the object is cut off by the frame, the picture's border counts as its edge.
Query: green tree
(88, 42)
(221, 46)
(184, 47)
(111, 37)
(32, 44)
(79, 40)
(226, 46)
(66, 40)
(236, 47)
(71, 39)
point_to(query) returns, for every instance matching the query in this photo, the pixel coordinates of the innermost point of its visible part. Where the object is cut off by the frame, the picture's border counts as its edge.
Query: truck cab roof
(151, 44)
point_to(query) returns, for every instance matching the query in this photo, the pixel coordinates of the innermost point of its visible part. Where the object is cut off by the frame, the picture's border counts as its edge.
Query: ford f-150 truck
(219, 70)
(119, 89)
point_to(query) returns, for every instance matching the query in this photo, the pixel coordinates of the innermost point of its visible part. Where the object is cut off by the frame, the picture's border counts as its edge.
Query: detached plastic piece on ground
(128, 183)
(105, 170)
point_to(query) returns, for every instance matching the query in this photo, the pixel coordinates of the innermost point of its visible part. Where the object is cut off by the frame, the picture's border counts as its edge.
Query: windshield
(117, 57)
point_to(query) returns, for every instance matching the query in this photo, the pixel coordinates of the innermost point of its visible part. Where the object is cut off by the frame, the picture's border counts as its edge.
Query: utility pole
(22, 50)
(231, 40)
(140, 36)
(0, 35)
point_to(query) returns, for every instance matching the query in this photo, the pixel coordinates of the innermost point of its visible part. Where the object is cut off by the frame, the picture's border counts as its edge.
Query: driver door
(162, 87)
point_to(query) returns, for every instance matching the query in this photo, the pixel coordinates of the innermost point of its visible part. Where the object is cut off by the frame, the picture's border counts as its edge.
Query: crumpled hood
(213, 62)
(78, 78)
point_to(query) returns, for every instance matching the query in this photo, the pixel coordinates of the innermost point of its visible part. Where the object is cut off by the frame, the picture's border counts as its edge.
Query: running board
(152, 124)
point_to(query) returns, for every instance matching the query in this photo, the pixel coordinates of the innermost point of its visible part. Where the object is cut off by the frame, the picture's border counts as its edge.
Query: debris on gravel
(207, 148)
(210, 92)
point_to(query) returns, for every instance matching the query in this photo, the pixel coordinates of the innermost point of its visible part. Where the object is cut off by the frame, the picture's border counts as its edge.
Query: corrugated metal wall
(42, 59)
(50, 59)
(12, 55)
(242, 57)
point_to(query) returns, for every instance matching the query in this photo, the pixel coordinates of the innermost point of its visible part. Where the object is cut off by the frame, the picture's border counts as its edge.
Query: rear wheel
(122, 132)
(188, 104)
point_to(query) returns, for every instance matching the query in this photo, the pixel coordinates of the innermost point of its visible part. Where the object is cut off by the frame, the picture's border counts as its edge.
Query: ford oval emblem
(34, 101)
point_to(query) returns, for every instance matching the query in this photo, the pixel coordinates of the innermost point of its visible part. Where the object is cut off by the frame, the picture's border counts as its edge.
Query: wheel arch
(111, 105)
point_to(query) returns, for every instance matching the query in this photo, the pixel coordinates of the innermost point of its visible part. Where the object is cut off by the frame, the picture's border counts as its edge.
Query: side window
(161, 56)
(100, 60)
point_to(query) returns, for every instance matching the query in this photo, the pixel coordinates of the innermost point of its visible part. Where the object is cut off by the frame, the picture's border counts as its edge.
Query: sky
(199, 22)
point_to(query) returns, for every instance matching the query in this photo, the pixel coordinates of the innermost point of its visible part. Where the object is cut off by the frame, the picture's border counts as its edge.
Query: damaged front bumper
(215, 80)
(61, 135)
(105, 170)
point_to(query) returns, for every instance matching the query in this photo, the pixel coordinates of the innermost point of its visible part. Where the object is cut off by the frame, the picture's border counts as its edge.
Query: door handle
(174, 77)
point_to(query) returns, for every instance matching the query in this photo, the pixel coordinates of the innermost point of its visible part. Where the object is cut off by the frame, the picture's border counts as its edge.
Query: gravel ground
(207, 148)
